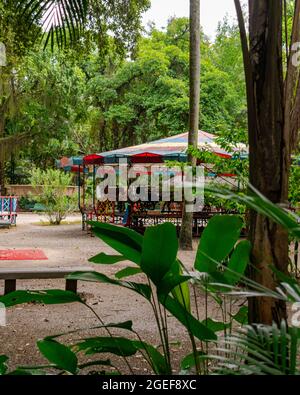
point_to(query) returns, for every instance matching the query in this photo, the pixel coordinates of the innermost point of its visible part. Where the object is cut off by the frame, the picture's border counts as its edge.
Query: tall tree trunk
(186, 234)
(2, 162)
(268, 146)
(4, 107)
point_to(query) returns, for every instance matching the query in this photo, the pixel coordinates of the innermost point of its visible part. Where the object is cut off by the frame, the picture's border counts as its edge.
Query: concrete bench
(10, 275)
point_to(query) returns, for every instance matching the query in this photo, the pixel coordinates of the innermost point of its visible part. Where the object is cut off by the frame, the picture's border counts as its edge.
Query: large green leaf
(127, 325)
(125, 348)
(58, 354)
(3, 366)
(157, 360)
(241, 316)
(104, 259)
(191, 323)
(170, 282)
(217, 241)
(125, 241)
(115, 345)
(27, 372)
(96, 277)
(238, 263)
(46, 297)
(160, 247)
(216, 326)
(190, 360)
(181, 292)
(176, 283)
(128, 272)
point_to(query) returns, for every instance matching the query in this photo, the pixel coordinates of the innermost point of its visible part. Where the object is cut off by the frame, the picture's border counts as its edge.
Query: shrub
(51, 192)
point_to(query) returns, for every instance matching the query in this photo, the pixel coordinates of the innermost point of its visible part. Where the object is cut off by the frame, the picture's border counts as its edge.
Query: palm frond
(259, 350)
(62, 21)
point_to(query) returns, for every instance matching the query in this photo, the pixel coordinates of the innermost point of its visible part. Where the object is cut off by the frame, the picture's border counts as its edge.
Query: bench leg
(10, 286)
(71, 285)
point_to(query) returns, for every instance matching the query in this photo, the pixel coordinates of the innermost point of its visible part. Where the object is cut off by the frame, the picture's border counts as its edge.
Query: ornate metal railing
(8, 209)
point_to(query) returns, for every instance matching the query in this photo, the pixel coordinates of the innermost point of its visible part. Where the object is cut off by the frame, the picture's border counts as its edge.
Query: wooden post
(10, 286)
(71, 285)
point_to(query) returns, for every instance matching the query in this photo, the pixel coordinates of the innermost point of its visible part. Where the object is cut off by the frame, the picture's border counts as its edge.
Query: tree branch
(292, 89)
(245, 50)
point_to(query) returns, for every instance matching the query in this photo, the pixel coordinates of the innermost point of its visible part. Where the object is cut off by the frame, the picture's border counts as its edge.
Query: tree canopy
(96, 97)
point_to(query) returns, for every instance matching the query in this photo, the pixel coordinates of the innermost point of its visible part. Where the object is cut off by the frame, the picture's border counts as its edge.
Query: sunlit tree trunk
(186, 235)
(269, 144)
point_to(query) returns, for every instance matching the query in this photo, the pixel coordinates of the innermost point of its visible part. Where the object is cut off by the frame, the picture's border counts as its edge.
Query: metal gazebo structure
(139, 215)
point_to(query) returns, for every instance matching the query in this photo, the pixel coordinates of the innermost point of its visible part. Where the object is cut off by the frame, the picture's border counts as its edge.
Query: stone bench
(11, 274)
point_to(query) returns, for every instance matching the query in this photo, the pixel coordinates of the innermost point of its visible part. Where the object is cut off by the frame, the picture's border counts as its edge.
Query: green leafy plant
(165, 286)
(51, 187)
(227, 346)
(294, 187)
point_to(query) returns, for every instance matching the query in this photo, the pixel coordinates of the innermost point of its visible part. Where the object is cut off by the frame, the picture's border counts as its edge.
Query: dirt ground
(67, 245)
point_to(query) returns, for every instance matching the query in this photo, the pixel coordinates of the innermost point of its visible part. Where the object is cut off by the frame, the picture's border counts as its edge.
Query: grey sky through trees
(212, 11)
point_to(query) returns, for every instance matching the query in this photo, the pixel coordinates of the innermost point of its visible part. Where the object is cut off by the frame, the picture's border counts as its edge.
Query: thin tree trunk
(186, 234)
(292, 86)
(4, 101)
(2, 163)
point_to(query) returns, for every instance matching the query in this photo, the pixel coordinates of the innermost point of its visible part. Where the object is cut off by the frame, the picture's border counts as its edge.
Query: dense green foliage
(148, 98)
(294, 196)
(108, 92)
(44, 104)
(49, 107)
(82, 100)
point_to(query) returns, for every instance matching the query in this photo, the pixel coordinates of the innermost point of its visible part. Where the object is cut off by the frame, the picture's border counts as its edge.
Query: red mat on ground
(22, 255)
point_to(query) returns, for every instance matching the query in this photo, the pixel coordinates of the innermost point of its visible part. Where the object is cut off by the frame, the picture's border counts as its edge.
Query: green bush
(51, 192)
(294, 192)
